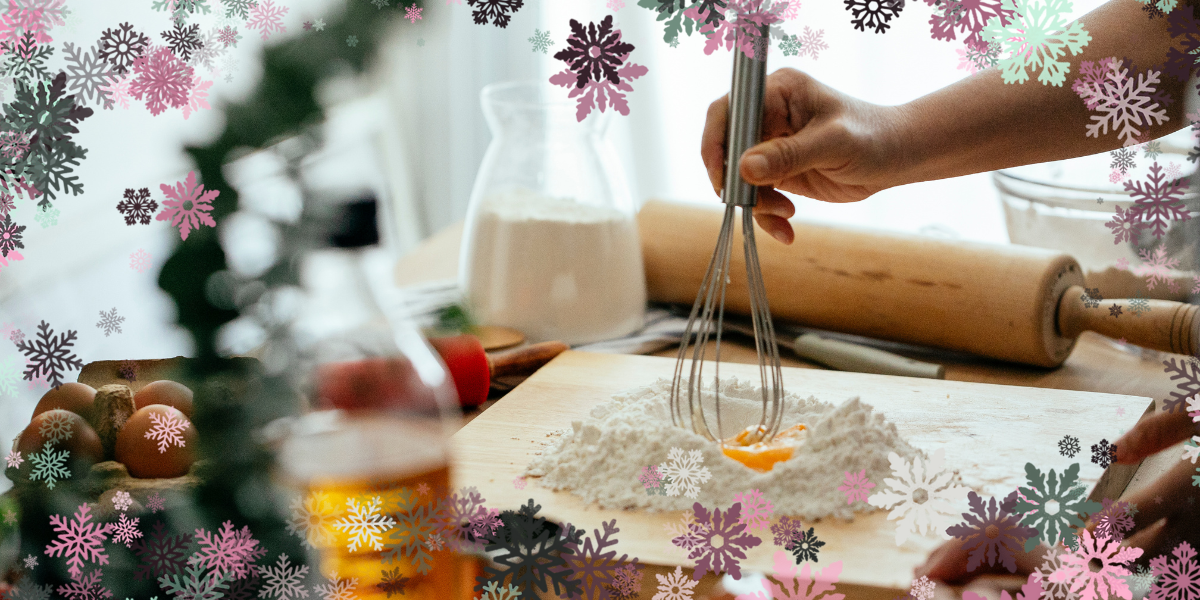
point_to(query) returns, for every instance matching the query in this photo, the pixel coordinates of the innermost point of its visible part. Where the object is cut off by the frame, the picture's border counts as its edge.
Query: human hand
(817, 143)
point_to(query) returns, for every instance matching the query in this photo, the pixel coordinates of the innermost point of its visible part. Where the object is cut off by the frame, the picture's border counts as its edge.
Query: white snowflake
(1156, 267)
(675, 586)
(283, 580)
(1123, 102)
(126, 530)
(110, 321)
(1193, 407)
(922, 589)
(1036, 37)
(756, 510)
(365, 524)
(31, 562)
(685, 471)
(923, 496)
(56, 427)
(1191, 450)
(167, 429)
(122, 500)
(311, 520)
(337, 589)
(13, 460)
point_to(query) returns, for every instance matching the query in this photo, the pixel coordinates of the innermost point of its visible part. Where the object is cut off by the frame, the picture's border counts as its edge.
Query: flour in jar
(600, 457)
(555, 268)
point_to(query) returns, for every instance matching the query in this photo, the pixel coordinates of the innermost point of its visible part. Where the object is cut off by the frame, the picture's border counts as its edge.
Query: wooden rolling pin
(1014, 303)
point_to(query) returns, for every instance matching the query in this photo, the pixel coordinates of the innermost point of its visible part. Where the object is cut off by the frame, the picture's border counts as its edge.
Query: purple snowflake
(161, 553)
(6, 200)
(49, 356)
(591, 565)
(128, 370)
(187, 205)
(499, 11)
(992, 531)
(412, 13)
(690, 535)
(87, 587)
(603, 93)
(757, 510)
(856, 486)
(1158, 200)
(167, 430)
(875, 14)
(79, 540)
(1179, 579)
(161, 79)
(10, 235)
(126, 530)
(155, 502)
(1189, 372)
(1113, 520)
(230, 552)
(627, 583)
(456, 515)
(724, 554)
(137, 206)
(1125, 225)
(787, 531)
(594, 55)
(266, 18)
(1157, 266)
(486, 522)
(17, 336)
(183, 40)
(968, 17)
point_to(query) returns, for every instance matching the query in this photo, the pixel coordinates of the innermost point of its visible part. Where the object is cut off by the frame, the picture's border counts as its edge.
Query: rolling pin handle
(1160, 325)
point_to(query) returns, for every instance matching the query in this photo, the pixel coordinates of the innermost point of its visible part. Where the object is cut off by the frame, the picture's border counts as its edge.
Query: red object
(374, 384)
(468, 364)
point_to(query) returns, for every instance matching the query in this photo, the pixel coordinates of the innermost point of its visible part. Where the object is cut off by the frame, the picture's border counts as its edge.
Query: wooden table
(1097, 363)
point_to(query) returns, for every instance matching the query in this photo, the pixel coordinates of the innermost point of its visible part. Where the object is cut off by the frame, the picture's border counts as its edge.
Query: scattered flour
(601, 457)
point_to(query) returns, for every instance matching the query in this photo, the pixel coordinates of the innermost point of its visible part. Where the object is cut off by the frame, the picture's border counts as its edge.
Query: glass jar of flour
(550, 245)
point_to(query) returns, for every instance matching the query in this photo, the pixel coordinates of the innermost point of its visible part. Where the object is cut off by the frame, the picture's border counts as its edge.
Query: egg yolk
(762, 456)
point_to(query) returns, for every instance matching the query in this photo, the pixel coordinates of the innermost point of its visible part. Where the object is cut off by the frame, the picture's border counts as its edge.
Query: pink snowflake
(724, 553)
(786, 585)
(756, 510)
(519, 483)
(187, 205)
(117, 90)
(856, 486)
(13, 460)
(650, 477)
(167, 430)
(79, 540)
(1116, 176)
(423, 489)
(267, 18)
(1179, 579)
(964, 62)
(13, 255)
(126, 530)
(792, 11)
(228, 552)
(155, 502)
(1032, 590)
(139, 261)
(41, 382)
(197, 98)
(85, 588)
(615, 4)
(1173, 171)
(435, 542)
(813, 42)
(1107, 580)
(627, 582)
(161, 79)
(14, 145)
(412, 13)
(1122, 264)
(1157, 267)
(486, 522)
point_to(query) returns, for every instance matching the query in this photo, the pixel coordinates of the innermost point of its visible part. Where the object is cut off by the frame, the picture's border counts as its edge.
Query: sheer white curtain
(435, 91)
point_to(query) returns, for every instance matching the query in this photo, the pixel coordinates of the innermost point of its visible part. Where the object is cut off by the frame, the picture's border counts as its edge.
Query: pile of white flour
(601, 457)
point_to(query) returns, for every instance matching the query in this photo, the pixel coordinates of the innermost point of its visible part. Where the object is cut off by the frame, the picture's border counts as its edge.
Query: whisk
(744, 129)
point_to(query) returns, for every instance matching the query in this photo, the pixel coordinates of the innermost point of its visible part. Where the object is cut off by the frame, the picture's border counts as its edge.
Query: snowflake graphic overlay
(597, 74)
(686, 472)
(677, 586)
(1035, 38)
(922, 496)
(161, 552)
(541, 41)
(161, 79)
(1053, 520)
(756, 510)
(806, 547)
(856, 486)
(50, 355)
(1108, 579)
(1124, 102)
(56, 428)
(79, 540)
(876, 14)
(187, 205)
(530, 552)
(1158, 200)
(723, 545)
(110, 322)
(592, 565)
(13, 460)
(49, 466)
(992, 531)
(195, 584)
(228, 552)
(125, 531)
(121, 45)
(1104, 454)
(122, 501)
(266, 18)
(139, 261)
(1189, 372)
(499, 11)
(167, 430)
(283, 581)
(1178, 579)
(365, 524)
(414, 525)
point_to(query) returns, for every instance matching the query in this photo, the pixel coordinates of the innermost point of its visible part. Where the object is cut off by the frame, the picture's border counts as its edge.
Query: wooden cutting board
(988, 432)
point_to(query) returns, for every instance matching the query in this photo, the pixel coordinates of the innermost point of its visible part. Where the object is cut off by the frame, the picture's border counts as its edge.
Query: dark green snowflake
(1053, 504)
(790, 45)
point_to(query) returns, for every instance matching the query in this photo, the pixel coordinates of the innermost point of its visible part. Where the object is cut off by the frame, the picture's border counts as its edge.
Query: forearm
(982, 124)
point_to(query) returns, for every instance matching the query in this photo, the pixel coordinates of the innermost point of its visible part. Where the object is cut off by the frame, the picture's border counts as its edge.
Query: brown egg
(75, 397)
(157, 441)
(167, 393)
(64, 430)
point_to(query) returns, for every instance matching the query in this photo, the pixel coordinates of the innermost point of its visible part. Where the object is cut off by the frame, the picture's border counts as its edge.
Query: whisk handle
(744, 125)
